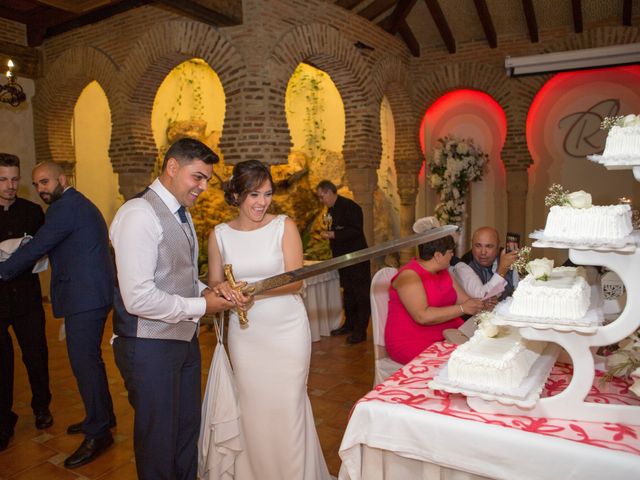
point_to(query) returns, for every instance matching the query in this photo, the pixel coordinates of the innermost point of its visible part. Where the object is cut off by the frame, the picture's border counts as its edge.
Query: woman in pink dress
(424, 300)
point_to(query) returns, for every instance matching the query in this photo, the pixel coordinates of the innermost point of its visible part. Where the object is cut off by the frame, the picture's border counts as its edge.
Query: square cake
(596, 223)
(494, 364)
(564, 296)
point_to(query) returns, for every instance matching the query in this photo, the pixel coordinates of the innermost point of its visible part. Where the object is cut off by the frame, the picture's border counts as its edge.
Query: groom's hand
(216, 303)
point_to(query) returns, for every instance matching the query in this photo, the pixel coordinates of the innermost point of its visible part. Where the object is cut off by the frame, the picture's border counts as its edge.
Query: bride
(271, 355)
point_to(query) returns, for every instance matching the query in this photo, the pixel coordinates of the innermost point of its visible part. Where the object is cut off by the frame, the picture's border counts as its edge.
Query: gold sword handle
(242, 313)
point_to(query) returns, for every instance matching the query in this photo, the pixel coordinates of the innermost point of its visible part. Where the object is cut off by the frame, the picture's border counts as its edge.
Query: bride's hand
(224, 289)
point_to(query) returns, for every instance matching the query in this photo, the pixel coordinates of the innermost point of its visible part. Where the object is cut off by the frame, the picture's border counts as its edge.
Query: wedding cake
(623, 139)
(578, 220)
(494, 363)
(563, 294)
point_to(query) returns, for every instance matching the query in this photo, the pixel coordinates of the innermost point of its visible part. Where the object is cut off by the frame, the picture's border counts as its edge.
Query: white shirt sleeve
(135, 234)
(471, 283)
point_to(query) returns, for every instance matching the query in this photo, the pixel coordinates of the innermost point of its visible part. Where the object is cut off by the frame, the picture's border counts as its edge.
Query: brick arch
(490, 80)
(390, 78)
(329, 50)
(153, 56)
(53, 106)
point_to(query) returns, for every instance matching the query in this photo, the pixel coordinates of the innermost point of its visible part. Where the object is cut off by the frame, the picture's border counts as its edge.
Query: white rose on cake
(486, 326)
(579, 199)
(631, 120)
(540, 268)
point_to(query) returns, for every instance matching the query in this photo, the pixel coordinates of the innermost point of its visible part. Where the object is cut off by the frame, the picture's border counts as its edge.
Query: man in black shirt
(21, 308)
(346, 235)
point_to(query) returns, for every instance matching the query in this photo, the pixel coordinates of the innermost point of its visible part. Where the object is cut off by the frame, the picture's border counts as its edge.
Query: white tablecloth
(324, 303)
(394, 433)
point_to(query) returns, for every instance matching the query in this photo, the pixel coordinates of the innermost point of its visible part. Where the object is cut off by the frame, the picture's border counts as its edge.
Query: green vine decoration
(309, 83)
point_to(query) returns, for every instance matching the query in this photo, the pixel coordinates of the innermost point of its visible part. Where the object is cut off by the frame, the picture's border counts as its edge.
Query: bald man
(74, 235)
(489, 272)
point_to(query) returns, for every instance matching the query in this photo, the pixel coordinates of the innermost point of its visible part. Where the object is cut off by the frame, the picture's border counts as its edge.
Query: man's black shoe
(44, 419)
(356, 338)
(89, 450)
(75, 428)
(7, 432)
(341, 331)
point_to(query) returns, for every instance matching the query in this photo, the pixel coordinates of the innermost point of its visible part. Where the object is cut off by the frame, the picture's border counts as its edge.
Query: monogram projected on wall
(584, 136)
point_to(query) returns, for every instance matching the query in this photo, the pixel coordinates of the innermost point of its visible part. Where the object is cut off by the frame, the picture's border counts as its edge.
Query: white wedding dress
(270, 359)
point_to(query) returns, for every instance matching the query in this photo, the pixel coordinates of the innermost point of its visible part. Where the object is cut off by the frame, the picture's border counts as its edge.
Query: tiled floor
(340, 374)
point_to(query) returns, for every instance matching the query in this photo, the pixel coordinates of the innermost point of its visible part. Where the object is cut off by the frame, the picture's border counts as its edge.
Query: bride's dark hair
(247, 176)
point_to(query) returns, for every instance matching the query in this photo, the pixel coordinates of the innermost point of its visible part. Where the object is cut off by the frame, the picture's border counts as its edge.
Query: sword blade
(348, 259)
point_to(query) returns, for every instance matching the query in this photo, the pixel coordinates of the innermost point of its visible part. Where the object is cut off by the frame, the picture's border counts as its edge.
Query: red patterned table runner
(408, 386)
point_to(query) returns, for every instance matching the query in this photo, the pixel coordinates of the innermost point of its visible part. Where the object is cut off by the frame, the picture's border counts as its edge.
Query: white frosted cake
(495, 364)
(564, 296)
(596, 223)
(622, 142)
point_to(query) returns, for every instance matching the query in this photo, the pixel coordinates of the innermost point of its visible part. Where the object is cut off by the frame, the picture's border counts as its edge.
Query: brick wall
(131, 53)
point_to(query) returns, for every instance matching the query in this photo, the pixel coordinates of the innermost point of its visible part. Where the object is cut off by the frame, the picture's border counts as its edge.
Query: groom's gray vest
(176, 273)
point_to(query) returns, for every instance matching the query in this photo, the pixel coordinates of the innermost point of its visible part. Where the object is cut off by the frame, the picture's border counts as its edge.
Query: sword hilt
(242, 313)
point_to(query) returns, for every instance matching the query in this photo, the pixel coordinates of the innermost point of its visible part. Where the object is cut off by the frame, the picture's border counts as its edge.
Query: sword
(343, 261)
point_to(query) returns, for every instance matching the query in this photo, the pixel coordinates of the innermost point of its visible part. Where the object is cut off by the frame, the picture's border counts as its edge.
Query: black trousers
(356, 283)
(29, 330)
(84, 334)
(163, 380)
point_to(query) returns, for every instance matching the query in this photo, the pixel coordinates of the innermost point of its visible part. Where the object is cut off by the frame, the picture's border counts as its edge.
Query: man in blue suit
(74, 235)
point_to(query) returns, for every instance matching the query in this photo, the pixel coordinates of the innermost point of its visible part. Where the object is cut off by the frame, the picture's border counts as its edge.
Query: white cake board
(625, 244)
(622, 162)
(524, 396)
(593, 319)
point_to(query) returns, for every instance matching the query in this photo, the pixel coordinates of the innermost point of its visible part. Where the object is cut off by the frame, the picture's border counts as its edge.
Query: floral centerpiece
(558, 196)
(454, 165)
(623, 360)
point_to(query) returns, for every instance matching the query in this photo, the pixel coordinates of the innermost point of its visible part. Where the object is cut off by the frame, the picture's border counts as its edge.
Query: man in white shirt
(157, 308)
(488, 274)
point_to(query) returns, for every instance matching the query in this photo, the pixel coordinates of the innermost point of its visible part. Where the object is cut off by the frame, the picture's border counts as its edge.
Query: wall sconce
(11, 92)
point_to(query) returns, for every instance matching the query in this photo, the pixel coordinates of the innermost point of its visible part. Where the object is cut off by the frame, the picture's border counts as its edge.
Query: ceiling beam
(627, 9)
(93, 16)
(349, 4)
(532, 23)
(409, 39)
(376, 8)
(201, 13)
(441, 23)
(399, 15)
(487, 23)
(576, 7)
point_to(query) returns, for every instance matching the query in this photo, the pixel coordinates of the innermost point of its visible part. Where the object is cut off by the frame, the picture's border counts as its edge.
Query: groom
(157, 308)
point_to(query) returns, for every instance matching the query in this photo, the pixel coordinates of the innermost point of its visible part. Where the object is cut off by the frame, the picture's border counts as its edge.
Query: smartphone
(513, 242)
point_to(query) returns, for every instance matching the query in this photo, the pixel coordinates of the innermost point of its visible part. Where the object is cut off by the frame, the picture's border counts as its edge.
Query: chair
(380, 282)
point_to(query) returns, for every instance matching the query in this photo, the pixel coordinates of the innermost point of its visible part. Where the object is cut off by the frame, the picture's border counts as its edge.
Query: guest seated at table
(486, 269)
(424, 300)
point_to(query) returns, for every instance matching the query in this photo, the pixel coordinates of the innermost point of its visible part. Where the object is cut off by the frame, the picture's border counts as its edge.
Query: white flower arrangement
(540, 268)
(623, 360)
(454, 165)
(486, 326)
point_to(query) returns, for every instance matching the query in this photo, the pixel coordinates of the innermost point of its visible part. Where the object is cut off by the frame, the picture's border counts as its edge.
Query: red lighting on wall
(458, 98)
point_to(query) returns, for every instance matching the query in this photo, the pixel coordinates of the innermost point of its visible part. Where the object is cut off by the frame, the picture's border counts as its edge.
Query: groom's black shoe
(75, 428)
(89, 450)
(341, 331)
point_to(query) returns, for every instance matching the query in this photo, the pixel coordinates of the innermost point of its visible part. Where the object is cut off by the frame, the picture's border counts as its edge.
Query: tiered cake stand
(581, 343)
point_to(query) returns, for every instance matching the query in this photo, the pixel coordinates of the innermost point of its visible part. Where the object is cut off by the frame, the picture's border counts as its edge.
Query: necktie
(182, 213)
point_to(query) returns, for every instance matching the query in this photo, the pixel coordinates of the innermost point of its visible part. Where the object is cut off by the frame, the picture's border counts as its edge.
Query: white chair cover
(379, 297)
(221, 437)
